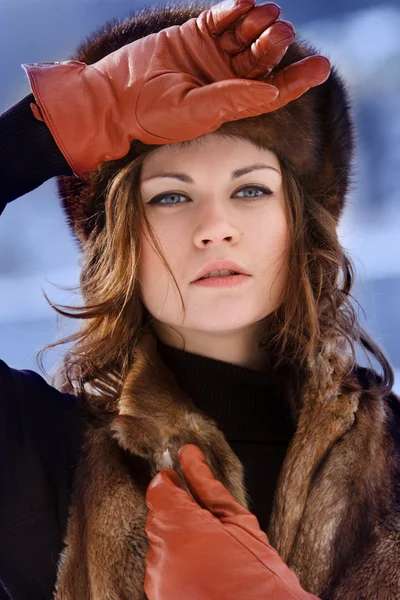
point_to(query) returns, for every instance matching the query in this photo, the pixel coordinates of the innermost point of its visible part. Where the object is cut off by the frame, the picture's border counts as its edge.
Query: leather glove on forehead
(171, 86)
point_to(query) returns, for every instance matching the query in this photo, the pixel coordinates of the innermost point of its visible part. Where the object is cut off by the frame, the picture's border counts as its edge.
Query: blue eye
(264, 192)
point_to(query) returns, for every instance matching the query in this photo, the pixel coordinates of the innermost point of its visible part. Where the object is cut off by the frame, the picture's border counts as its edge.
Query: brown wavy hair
(316, 306)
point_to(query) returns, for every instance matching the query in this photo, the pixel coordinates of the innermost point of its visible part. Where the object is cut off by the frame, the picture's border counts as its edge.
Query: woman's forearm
(29, 155)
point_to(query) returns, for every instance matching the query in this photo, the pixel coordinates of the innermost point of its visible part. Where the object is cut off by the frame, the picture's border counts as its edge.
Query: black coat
(40, 428)
(40, 437)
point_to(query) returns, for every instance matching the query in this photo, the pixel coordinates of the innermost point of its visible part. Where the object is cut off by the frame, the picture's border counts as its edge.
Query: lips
(221, 265)
(229, 275)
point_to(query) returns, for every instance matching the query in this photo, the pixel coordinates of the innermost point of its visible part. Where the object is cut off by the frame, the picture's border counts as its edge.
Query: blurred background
(361, 37)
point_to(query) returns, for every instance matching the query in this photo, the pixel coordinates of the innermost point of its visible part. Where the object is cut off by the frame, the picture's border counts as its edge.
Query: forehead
(208, 152)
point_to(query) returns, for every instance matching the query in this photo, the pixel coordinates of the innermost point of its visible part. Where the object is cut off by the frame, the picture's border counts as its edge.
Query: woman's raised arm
(29, 155)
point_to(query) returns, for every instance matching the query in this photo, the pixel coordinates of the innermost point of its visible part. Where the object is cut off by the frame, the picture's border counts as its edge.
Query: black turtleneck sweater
(251, 411)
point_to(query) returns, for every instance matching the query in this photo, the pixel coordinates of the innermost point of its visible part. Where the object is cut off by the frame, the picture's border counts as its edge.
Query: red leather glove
(211, 548)
(171, 86)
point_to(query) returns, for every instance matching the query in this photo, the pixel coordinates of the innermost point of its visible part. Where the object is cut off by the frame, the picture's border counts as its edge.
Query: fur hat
(314, 134)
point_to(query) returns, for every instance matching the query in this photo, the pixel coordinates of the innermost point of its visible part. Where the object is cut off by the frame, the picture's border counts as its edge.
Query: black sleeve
(40, 440)
(29, 155)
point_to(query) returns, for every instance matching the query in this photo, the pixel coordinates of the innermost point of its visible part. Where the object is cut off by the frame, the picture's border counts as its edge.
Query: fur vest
(336, 513)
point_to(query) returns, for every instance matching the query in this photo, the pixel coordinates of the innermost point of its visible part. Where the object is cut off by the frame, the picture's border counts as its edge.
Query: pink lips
(226, 281)
(220, 265)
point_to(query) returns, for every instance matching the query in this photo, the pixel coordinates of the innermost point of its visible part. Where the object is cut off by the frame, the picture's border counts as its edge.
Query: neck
(238, 348)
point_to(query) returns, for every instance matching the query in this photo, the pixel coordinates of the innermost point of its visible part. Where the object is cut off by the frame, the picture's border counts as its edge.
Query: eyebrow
(235, 174)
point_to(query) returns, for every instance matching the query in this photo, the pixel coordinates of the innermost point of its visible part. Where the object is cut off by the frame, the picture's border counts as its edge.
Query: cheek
(149, 262)
(157, 287)
(150, 276)
(152, 271)
(271, 238)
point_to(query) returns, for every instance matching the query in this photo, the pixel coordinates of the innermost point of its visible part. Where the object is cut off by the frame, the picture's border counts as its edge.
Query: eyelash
(157, 199)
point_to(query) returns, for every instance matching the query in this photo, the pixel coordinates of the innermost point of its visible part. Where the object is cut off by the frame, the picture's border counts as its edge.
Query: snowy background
(36, 250)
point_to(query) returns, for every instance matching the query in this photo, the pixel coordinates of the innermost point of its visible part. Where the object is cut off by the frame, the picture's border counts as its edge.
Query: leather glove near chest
(209, 548)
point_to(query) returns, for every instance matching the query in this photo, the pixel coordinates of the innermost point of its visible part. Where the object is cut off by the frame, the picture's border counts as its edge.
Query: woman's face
(209, 213)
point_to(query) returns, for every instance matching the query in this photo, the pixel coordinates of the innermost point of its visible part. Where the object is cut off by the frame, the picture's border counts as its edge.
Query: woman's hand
(211, 548)
(172, 86)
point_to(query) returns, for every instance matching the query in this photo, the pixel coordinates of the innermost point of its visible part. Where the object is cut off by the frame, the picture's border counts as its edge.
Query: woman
(258, 378)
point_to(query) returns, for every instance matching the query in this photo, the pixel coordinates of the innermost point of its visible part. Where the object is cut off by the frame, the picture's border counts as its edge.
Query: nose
(215, 225)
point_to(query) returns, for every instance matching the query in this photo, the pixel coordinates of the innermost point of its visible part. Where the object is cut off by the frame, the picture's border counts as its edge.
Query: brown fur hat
(314, 134)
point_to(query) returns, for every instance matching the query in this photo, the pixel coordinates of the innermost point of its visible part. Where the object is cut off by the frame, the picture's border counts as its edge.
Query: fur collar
(335, 490)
